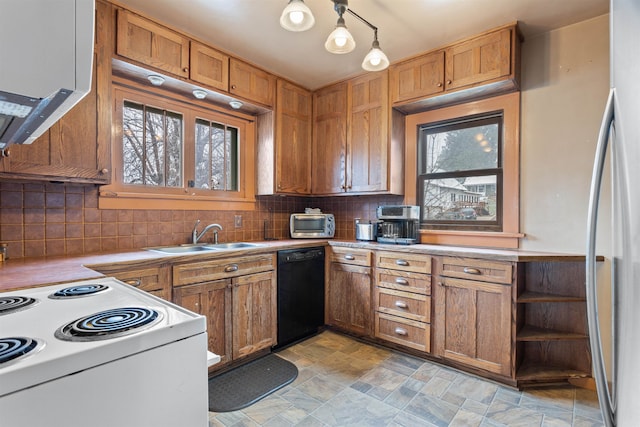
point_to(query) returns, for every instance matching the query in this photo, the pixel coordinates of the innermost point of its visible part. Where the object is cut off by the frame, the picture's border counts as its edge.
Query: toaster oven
(312, 225)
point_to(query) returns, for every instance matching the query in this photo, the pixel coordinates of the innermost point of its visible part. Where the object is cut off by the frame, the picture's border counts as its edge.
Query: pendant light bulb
(340, 40)
(375, 60)
(297, 16)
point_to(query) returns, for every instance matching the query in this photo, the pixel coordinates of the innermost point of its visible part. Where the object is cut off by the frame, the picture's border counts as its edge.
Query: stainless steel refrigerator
(619, 146)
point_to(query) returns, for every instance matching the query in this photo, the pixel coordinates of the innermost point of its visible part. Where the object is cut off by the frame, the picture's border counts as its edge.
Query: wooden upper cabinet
(368, 137)
(251, 83)
(329, 139)
(209, 66)
(293, 139)
(152, 44)
(479, 60)
(418, 77)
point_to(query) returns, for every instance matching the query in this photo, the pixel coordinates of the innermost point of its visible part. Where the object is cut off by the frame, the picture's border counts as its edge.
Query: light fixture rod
(373, 27)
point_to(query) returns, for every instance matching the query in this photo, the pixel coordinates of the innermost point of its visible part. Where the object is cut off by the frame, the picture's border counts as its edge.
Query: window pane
(132, 143)
(154, 173)
(203, 155)
(174, 149)
(470, 199)
(448, 150)
(217, 156)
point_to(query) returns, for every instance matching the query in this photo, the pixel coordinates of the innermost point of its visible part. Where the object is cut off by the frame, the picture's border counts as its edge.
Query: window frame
(510, 235)
(493, 117)
(119, 195)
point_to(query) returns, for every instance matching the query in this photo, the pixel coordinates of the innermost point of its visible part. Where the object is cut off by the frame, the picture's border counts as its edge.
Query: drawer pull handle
(231, 268)
(401, 281)
(402, 262)
(471, 270)
(401, 304)
(133, 282)
(349, 257)
(401, 331)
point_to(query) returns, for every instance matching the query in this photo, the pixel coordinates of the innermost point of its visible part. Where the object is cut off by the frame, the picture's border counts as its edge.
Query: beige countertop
(29, 272)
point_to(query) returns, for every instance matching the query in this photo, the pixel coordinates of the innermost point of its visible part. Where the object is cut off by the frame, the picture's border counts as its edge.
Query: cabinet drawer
(402, 281)
(221, 268)
(405, 332)
(417, 263)
(405, 304)
(155, 280)
(474, 269)
(351, 256)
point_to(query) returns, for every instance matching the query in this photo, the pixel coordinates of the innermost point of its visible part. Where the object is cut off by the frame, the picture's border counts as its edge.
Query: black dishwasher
(300, 294)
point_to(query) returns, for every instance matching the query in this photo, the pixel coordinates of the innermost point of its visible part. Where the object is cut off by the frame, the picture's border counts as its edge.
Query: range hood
(46, 51)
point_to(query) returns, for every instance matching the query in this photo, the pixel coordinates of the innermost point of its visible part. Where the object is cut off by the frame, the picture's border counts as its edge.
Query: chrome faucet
(195, 236)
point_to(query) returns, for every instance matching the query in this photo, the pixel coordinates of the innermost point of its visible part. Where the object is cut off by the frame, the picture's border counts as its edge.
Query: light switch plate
(237, 221)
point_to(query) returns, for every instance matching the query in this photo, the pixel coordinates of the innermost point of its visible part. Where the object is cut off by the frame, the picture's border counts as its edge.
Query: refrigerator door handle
(607, 401)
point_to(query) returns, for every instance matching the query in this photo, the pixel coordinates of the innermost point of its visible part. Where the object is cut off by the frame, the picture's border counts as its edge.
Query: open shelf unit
(552, 340)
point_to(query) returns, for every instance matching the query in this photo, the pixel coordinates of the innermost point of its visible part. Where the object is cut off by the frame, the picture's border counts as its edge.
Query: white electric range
(100, 353)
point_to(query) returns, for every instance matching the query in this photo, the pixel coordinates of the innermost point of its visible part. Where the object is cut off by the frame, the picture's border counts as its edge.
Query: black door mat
(246, 384)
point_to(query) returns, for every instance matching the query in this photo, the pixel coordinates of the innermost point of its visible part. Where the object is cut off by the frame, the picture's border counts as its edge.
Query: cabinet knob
(6, 152)
(448, 82)
(400, 304)
(231, 268)
(233, 86)
(402, 262)
(185, 69)
(400, 331)
(401, 281)
(471, 270)
(104, 171)
(349, 257)
(133, 282)
(439, 84)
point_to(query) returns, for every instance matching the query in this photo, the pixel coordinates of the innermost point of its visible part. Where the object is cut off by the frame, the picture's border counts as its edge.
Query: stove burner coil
(12, 348)
(13, 304)
(78, 291)
(108, 324)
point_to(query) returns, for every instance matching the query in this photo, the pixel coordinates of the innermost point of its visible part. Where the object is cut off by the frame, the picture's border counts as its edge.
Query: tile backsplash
(38, 219)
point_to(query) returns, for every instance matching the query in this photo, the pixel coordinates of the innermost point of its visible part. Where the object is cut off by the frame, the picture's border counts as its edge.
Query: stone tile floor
(344, 382)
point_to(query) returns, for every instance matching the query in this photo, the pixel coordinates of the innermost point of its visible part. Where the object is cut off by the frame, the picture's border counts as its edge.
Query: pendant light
(297, 16)
(340, 40)
(375, 60)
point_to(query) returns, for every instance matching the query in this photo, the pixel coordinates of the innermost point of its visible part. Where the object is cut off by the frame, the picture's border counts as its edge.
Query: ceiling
(250, 29)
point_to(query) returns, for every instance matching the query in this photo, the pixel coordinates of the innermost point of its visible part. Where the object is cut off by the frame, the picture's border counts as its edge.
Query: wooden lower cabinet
(238, 296)
(476, 322)
(213, 300)
(253, 304)
(349, 296)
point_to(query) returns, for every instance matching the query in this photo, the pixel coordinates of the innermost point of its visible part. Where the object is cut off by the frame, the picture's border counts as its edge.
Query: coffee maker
(399, 224)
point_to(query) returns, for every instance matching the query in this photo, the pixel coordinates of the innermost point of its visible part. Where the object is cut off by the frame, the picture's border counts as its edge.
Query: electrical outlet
(237, 221)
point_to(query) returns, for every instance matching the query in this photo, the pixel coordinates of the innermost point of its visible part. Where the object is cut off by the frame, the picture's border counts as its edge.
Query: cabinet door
(69, 151)
(350, 298)
(251, 83)
(152, 44)
(254, 313)
(479, 60)
(211, 299)
(209, 66)
(293, 139)
(368, 138)
(417, 78)
(329, 140)
(477, 324)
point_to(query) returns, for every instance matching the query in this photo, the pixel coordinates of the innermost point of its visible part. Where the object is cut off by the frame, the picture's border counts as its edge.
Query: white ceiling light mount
(340, 41)
(199, 93)
(156, 80)
(297, 16)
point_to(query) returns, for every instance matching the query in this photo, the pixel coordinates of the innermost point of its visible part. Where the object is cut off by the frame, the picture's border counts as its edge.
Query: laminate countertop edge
(22, 273)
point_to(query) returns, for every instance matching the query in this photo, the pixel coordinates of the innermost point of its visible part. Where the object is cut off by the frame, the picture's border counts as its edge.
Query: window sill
(132, 200)
(471, 238)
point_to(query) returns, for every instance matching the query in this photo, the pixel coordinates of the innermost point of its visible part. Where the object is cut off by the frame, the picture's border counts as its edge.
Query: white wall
(565, 83)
